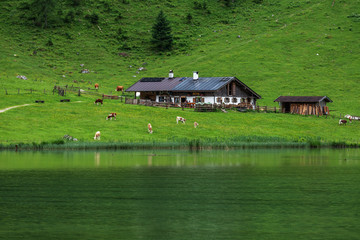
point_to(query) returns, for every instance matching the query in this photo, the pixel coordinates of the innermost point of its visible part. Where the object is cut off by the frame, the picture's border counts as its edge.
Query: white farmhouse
(191, 90)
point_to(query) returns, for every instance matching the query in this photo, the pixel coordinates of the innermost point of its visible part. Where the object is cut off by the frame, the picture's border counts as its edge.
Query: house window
(234, 100)
(161, 99)
(229, 89)
(227, 100)
(198, 99)
(176, 100)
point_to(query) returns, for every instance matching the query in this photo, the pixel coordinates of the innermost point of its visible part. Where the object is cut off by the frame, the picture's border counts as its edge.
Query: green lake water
(244, 194)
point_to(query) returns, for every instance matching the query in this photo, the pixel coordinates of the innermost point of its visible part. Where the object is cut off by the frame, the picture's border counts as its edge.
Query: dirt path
(5, 109)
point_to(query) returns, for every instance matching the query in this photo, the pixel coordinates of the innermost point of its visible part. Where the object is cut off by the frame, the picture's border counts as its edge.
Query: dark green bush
(93, 18)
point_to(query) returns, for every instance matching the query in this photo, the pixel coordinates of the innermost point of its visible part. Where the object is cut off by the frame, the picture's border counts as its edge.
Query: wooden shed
(304, 105)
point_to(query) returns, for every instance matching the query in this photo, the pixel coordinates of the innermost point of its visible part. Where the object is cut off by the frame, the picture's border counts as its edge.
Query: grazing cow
(111, 116)
(97, 135)
(342, 121)
(96, 86)
(352, 117)
(196, 124)
(181, 119)
(119, 89)
(97, 101)
(150, 128)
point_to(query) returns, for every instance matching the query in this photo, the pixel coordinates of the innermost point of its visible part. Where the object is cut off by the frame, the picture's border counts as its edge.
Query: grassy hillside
(284, 48)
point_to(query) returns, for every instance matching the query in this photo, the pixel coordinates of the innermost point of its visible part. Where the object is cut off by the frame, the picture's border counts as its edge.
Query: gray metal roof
(186, 84)
(309, 99)
(202, 84)
(154, 84)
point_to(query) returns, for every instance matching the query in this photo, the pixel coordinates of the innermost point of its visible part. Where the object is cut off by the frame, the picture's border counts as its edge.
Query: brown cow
(111, 116)
(96, 86)
(342, 121)
(97, 101)
(196, 124)
(119, 89)
(150, 128)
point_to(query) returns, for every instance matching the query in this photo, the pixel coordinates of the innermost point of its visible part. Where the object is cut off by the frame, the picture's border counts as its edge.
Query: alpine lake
(165, 194)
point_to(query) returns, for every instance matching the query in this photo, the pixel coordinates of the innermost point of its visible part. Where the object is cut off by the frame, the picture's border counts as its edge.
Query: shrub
(189, 18)
(118, 17)
(49, 43)
(75, 2)
(70, 16)
(93, 18)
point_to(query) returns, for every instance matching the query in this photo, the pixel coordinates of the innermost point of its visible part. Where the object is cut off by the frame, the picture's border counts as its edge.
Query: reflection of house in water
(150, 158)
(97, 158)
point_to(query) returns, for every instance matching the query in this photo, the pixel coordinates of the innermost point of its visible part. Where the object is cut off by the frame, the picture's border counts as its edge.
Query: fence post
(18, 91)
(6, 91)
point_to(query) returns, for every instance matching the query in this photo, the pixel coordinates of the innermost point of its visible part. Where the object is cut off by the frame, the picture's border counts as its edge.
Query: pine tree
(161, 33)
(42, 10)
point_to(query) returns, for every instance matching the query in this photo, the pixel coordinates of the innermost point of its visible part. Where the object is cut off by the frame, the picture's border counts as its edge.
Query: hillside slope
(284, 48)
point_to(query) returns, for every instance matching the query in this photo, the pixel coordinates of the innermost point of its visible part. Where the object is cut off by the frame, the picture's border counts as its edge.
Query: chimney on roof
(171, 74)
(195, 75)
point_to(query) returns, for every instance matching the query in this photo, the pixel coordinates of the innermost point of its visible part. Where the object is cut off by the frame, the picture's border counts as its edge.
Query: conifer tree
(42, 10)
(162, 38)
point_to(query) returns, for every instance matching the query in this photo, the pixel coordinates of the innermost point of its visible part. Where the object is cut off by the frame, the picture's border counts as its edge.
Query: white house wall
(211, 99)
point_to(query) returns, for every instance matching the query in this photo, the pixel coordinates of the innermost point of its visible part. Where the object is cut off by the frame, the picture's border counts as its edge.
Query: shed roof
(154, 84)
(309, 99)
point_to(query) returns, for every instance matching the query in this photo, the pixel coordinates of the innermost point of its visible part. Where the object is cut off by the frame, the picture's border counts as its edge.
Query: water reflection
(240, 158)
(97, 159)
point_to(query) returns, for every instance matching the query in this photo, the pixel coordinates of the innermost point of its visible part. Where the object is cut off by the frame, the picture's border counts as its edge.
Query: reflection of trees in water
(150, 158)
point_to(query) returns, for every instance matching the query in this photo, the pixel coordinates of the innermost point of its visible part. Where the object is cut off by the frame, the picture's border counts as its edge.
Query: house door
(183, 99)
(286, 108)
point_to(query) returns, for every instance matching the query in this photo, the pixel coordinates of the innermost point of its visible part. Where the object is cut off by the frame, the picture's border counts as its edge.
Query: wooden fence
(19, 91)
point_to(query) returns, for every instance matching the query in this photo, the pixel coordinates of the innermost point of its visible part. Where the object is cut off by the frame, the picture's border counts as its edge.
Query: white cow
(97, 135)
(352, 117)
(181, 119)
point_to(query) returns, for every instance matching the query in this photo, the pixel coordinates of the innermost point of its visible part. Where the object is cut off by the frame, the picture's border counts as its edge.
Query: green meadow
(275, 47)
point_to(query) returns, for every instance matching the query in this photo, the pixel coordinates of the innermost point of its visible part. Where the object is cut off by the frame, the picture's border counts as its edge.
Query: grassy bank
(44, 125)
(208, 144)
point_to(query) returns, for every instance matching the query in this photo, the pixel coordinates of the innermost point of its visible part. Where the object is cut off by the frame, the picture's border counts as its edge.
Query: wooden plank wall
(309, 109)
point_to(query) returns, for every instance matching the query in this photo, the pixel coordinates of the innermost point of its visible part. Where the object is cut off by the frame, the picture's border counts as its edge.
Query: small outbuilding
(304, 105)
